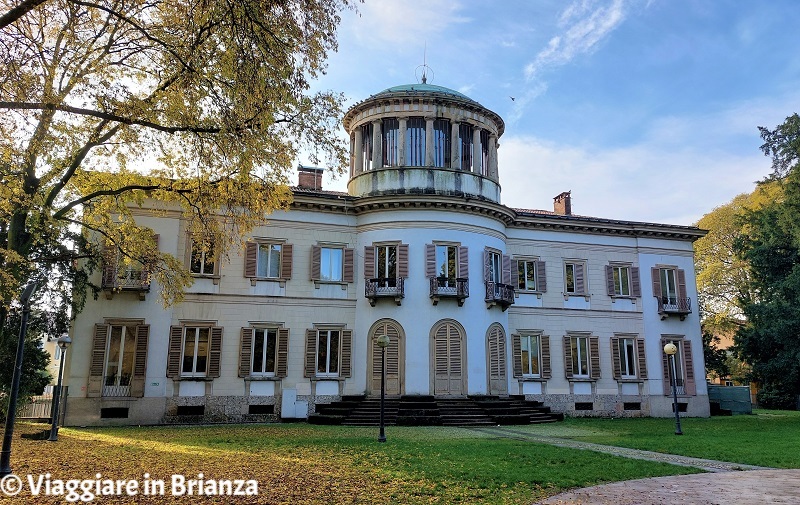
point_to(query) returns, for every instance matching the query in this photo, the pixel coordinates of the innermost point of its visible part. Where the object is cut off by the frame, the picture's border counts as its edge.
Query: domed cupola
(423, 139)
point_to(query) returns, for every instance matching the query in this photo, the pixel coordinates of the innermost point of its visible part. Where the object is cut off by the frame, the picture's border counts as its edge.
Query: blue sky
(645, 110)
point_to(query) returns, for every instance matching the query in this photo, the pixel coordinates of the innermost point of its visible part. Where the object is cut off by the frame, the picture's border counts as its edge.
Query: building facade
(476, 297)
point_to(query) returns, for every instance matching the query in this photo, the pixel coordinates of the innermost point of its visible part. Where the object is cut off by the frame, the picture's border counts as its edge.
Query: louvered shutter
(430, 260)
(487, 266)
(455, 350)
(463, 261)
(369, 261)
(506, 269)
(665, 369)
(615, 360)
(636, 283)
(347, 353)
(286, 261)
(282, 360)
(349, 265)
(516, 352)
(567, 357)
(402, 260)
(316, 258)
(310, 369)
(580, 282)
(99, 343)
(251, 259)
(594, 351)
(215, 352)
(610, 280)
(516, 277)
(541, 277)
(140, 360)
(546, 371)
(655, 273)
(246, 351)
(681, 274)
(641, 358)
(174, 352)
(688, 366)
(109, 266)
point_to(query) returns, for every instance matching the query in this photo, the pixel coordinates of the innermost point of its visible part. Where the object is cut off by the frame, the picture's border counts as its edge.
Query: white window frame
(327, 276)
(194, 372)
(579, 355)
(123, 335)
(446, 277)
(680, 373)
(338, 353)
(567, 265)
(665, 276)
(617, 275)
(265, 347)
(527, 265)
(534, 342)
(383, 271)
(267, 248)
(627, 357)
(495, 267)
(204, 256)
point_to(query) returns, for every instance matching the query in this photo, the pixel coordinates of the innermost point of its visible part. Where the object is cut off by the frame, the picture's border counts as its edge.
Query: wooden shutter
(487, 265)
(286, 261)
(215, 352)
(655, 273)
(507, 269)
(402, 260)
(681, 275)
(688, 367)
(544, 351)
(310, 369)
(430, 260)
(369, 261)
(140, 360)
(636, 283)
(109, 267)
(594, 355)
(580, 282)
(541, 277)
(641, 358)
(516, 353)
(455, 350)
(316, 255)
(463, 261)
(246, 351)
(665, 369)
(516, 276)
(567, 357)
(174, 352)
(99, 343)
(251, 259)
(347, 353)
(610, 280)
(349, 265)
(282, 360)
(617, 364)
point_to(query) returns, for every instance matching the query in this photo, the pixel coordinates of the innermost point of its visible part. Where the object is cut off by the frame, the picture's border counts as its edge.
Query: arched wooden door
(448, 359)
(394, 358)
(496, 356)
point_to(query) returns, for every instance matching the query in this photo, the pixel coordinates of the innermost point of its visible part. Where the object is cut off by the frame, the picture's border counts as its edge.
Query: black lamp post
(11, 415)
(670, 350)
(63, 343)
(383, 342)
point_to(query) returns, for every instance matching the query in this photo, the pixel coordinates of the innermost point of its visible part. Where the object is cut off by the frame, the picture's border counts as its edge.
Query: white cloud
(404, 21)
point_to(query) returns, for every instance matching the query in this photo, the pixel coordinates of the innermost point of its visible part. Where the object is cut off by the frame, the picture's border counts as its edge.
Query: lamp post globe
(671, 350)
(63, 342)
(382, 341)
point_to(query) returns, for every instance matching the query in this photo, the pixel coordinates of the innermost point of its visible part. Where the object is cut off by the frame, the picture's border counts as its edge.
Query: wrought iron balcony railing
(449, 287)
(500, 294)
(674, 306)
(385, 287)
(127, 279)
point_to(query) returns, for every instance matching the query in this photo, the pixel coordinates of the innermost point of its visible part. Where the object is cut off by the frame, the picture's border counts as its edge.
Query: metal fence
(40, 407)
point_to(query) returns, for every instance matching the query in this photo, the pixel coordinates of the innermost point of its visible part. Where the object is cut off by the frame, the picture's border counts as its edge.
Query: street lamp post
(63, 343)
(11, 415)
(670, 350)
(383, 343)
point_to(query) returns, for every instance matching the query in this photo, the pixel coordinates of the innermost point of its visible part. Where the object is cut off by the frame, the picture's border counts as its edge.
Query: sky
(645, 110)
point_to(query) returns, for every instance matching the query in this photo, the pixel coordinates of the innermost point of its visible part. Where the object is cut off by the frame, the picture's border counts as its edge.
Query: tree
(34, 365)
(715, 358)
(200, 105)
(769, 342)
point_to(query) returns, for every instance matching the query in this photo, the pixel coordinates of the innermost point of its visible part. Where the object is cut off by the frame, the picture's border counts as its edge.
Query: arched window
(366, 147)
(465, 146)
(415, 142)
(390, 132)
(441, 143)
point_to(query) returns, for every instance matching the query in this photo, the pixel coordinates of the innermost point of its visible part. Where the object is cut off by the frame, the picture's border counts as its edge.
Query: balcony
(116, 280)
(384, 288)
(670, 306)
(499, 294)
(449, 287)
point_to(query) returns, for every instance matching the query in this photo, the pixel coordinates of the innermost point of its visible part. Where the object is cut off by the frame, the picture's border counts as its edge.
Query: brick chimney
(562, 204)
(309, 177)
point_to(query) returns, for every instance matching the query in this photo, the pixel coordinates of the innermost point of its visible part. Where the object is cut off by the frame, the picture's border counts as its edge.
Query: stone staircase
(424, 410)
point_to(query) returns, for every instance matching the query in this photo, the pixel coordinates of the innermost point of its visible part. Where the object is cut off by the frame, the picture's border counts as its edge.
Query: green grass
(766, 438)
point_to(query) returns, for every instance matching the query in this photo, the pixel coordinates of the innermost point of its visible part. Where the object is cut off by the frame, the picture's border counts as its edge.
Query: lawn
(303, 464)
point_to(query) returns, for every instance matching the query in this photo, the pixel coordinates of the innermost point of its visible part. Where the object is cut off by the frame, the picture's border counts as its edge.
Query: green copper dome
(423, 88)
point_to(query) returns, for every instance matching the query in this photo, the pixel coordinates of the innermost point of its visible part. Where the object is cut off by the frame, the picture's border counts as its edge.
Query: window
(679, 357)
(484, 152)
(623, 280)
(495, 263)
(415, 142)
(529, 347)
(574, 283)
(194, 359)
(328, 353)
(441, 143)
(366, 147)
(202, 258)
(622, 284)
(120, 353)
(390, 132)
(669, 286)
(265, 346)
(465, 146)
(446, 263)
(331, 264)
(627, 357)
(269, 261)
(386, 262)
(526, 275)
(580, 356)
(118, 359)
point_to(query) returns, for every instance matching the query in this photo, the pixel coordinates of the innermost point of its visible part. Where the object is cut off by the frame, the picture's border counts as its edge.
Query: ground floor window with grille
(120, 353)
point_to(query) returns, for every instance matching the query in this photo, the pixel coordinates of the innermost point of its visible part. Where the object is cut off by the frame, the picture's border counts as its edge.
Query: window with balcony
(669, 288)
(328, 352)
(415, 142)
(119, 359)
(385, 268)
(497, 276)
(122, 275)
(447, 268)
